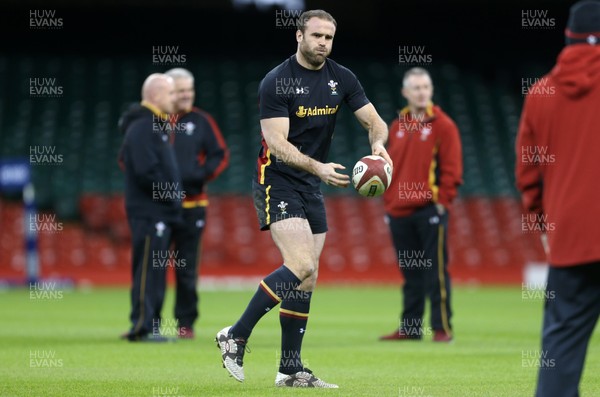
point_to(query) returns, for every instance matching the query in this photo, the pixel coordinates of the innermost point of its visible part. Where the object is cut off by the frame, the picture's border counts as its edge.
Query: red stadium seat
(94, 211)
(117, 218)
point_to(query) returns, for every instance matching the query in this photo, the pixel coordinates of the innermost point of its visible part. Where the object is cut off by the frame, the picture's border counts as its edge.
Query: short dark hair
(306, 15)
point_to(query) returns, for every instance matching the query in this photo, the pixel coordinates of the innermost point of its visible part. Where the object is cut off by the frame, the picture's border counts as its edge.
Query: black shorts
(273, 203)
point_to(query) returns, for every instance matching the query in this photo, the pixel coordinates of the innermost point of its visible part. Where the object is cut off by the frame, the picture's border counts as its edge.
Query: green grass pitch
(497, 330)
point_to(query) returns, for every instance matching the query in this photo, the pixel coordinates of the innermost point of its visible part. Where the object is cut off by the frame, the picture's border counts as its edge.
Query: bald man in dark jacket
(153, 196)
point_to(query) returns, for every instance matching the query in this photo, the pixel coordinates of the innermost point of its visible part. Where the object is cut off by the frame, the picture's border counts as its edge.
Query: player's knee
(307, 270)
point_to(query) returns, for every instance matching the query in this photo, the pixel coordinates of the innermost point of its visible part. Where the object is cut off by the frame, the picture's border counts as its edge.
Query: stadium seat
(94, 211)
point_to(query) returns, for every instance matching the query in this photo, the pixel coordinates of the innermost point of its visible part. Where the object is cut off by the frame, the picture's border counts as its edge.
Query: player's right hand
(329, 175)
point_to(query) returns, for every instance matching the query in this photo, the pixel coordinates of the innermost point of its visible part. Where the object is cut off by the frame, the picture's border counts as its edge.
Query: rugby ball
(371, 176)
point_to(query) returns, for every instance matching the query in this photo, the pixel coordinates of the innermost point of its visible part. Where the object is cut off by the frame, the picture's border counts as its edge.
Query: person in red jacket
(557, 163)
(425, 146)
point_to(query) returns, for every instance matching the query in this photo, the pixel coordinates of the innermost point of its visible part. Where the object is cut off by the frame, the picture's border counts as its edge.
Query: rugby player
(299, 101)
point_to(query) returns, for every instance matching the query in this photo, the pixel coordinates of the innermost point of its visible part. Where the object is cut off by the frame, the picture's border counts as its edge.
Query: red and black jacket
(427, 157)
(200, 151)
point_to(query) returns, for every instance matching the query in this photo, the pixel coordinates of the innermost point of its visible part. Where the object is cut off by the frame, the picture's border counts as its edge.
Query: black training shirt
(311, 100)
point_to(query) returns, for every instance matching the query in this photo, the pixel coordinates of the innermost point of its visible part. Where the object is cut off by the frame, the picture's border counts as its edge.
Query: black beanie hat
(584, 23)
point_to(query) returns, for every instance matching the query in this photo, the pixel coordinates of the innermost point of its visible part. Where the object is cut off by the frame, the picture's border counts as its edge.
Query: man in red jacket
(558, 151)
(425, 146)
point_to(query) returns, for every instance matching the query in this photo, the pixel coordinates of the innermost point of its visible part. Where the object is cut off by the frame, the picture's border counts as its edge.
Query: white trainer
(232, 353)
(304, 378)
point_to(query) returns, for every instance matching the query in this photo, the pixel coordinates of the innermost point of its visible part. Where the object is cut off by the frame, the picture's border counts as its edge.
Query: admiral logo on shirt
(316, 111)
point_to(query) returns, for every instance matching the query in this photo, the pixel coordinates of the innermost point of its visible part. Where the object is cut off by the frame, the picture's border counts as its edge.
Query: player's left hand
(379, 150)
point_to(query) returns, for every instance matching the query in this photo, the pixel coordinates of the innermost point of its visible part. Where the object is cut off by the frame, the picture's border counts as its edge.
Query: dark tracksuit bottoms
(420, 242)
(571, 312)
